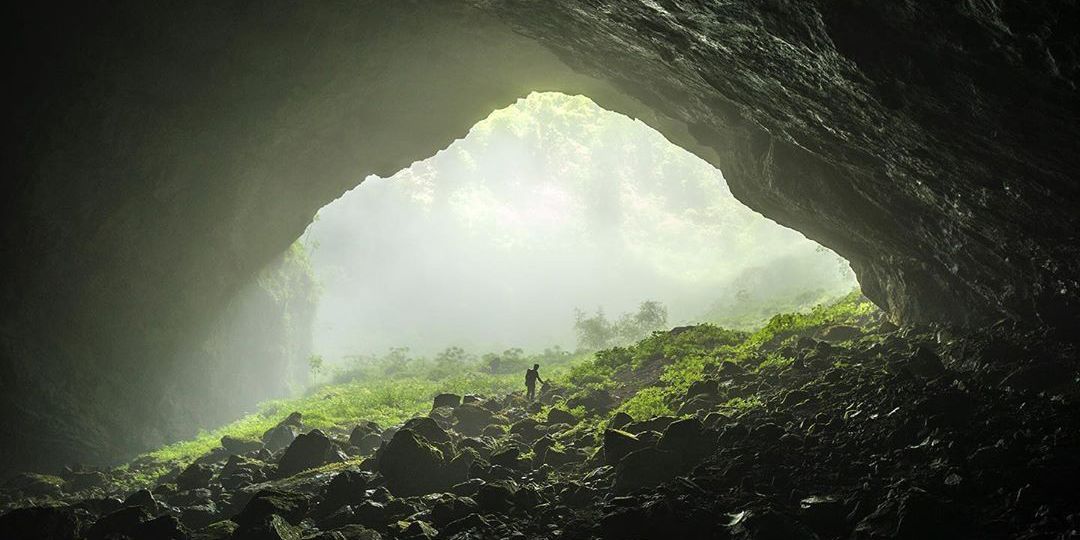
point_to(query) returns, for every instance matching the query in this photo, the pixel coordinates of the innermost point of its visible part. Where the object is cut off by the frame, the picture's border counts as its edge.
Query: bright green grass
(384, 401)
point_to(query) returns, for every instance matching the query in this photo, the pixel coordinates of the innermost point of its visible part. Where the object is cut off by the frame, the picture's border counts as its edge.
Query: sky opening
(548, 206)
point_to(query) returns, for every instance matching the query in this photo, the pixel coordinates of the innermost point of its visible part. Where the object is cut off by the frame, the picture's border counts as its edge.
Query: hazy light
(548, 205)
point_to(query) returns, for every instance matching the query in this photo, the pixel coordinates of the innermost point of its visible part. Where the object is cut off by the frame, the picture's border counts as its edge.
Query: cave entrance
(549, 206)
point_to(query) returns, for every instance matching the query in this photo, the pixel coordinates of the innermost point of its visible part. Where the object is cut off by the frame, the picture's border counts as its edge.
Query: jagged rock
(274, 527)
(368, 444)
(143, 499)
(840, 332)
(362, 431)
(220, 530)
(196, 475)
(121, 523)
(427, 428)
(913, 514)
(509, 457)
(472, 522)
(241, 471)
(449, 508)
(280, 436)
(350, 532)
(560, 416)
(688, 439)
(235, 445)
(620, 420)
(272, 502)
(528, 429)
(471, 418)
(310, 450)
(656, 423)
(100, 506)
(824, 514)
(414, 530)
(412, 466)
(767, 524)
(594, 401)
(646, 467)
(161, 528)
(346, 488)
(618, 443)
(446, 400)
(199, 515)
(925, 364)
(371, 514)
(496, 497)
(44, 523)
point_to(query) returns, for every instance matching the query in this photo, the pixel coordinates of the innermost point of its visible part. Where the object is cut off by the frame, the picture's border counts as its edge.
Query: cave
(166, 155)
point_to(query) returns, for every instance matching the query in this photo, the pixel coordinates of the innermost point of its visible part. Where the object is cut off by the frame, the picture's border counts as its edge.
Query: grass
(656, 371)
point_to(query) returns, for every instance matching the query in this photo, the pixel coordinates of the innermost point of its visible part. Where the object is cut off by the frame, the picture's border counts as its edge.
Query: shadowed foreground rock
(163, 154)
(920, 433)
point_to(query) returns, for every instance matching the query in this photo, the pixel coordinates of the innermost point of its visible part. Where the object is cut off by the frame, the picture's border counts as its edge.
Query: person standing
(531, 378)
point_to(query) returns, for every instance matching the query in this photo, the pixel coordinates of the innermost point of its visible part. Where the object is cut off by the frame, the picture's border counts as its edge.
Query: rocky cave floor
(920, 432)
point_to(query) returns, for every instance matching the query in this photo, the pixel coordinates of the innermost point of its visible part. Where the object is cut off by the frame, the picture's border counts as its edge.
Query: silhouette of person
(531, 376)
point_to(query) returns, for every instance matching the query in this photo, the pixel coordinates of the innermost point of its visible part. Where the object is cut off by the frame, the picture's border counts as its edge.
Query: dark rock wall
(163, 154)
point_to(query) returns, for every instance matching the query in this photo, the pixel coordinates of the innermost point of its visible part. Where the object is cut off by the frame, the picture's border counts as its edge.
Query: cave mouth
(550, 207)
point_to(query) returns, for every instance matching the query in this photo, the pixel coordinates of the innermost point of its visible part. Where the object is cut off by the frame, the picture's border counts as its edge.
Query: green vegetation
(597, 332)
(649, 378)
(685, 355)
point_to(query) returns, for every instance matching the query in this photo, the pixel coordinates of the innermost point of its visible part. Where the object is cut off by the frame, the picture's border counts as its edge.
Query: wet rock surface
(921, 432)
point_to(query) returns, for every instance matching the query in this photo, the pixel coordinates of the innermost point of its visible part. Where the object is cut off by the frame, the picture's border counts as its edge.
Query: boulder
(688, 439)
(560, 416)
(496, 497)
(925, 364)
(279, 436)
(161, 528)
(236, 445)
(412, 466)
(274, 527)
(446, 400)
(414, 530)
(427, 428)
(643, 468)
(840, 332)
(121, 523)
(620, 420)
(471, 419)
(449, 508)
(618, 443)
(196, 475)
(368, 444)
(363, 431)
(310, 450)
(347, 487)
(290, 506)
(527, 428)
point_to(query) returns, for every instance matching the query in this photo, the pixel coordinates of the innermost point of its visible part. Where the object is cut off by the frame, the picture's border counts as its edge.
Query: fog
(546, 206)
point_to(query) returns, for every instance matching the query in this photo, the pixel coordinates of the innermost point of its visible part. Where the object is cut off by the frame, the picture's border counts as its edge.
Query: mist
(550, 205)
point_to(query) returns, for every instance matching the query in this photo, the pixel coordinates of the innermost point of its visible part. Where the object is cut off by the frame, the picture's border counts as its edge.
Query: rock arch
(164, 154)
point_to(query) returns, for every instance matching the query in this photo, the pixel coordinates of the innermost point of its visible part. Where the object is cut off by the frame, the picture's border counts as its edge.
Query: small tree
(315, 363)
(593, 333)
